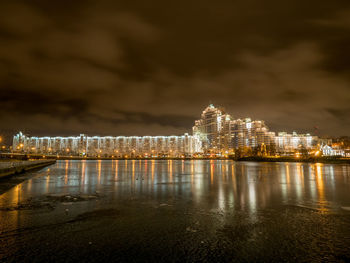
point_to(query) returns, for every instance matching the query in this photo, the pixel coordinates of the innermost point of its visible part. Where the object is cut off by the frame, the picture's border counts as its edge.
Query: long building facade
(120, 146)
(289, 142)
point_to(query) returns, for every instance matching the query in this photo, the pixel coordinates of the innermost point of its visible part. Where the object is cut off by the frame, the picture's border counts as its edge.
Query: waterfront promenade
(8, 168)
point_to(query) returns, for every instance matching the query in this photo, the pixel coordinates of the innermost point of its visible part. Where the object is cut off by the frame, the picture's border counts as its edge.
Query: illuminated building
(109, 146)
(212, 127)
(219, 132)
(289, 142)
(339, 148)
(330, 151)
(248, 133)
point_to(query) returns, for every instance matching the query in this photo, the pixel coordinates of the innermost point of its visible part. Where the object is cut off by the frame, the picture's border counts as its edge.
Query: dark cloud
(150, 68)
(341, 114)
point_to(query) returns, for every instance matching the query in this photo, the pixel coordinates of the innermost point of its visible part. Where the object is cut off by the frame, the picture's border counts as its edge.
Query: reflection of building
(116, 146)
(220, 132)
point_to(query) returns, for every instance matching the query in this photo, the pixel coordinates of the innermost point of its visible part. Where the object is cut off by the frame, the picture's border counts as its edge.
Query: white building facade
(219, 132)
(119, 146)
(286, 142)
(329, 151)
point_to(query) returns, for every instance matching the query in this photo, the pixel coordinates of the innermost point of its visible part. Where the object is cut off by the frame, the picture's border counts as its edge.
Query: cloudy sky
(151, 67)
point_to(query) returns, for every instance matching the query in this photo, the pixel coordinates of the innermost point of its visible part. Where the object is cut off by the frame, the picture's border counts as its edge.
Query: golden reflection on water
(146, 168)
(299, 181)
(213, 184)
(12, 218)
(48, 181)
(223, 172)
(152, 170)
(287, 174)
(192, 171)
(99, 171)
(211, 171)
(250, 183)
(319, 180)
(233, 176)
(17, 195)
(66, 173)
(83, 177)
(116, 169)
(320, 187)
(29, 187)
(283, 181)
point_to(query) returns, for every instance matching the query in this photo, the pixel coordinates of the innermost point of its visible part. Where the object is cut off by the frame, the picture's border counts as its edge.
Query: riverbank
(242, 159)
(334, 160)
(306, 159)
(8, 168)
(322, 159)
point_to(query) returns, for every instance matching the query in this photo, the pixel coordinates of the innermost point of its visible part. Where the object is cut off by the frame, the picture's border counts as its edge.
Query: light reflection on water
(244, 208)
(223, 185)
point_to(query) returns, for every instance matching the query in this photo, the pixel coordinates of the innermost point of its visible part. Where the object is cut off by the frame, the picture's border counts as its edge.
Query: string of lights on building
(219, 132)
(216, 132)
(120, 146)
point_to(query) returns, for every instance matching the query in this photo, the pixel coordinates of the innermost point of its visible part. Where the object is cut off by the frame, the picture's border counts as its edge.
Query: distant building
(212, 128)
(219, 132)
(248, 133)
(289, 142)
(329, 151)
(119, 146)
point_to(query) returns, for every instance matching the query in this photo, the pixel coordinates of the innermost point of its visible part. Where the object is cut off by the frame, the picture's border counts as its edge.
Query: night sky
(151, 67)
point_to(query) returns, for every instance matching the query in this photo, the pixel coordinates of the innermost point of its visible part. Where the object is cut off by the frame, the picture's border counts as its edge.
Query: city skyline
(7, 137)
(216, 132)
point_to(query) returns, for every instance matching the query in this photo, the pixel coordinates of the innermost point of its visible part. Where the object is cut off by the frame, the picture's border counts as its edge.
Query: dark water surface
(148, 210)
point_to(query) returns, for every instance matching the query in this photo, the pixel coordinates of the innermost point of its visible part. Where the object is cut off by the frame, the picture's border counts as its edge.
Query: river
(178, 210)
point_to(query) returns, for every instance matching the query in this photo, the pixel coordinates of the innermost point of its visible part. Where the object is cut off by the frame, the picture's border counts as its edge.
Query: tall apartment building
(220, 132)
(212, 127)
(248, 133)
(107, 146)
